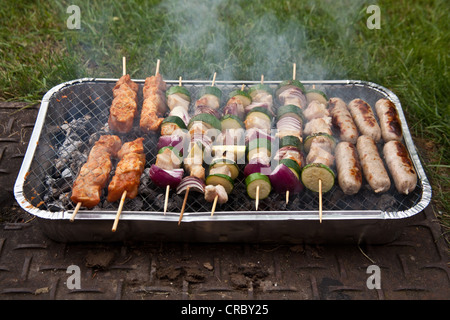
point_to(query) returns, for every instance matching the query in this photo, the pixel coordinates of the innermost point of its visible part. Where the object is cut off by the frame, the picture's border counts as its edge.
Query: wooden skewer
(166, 200)
(257, 198)
(214, 78)
(157, 67)
(294, 71)
(262, 79)
(184, 205)
(214, 205)
(320, 200)
(119, 211)
(243, 87)
(75, 211)
(124, 65)
(287, 197)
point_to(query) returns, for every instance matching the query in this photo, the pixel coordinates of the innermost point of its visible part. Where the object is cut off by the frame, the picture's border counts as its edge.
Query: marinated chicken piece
(263, 97)
(94, 174)
(128, 172)
(318, 125)
(154, 84)
(122, 113)
(212, 191)
(125, 81)
(316, 110)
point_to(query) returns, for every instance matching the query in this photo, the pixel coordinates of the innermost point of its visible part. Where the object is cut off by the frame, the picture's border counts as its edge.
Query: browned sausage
(400, 166)
(365, 119)
(391, 128)
(342, 120)
(348, 167)
(372, 164)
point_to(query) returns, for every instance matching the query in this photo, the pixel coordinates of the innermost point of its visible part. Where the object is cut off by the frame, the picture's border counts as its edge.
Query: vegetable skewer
(198, 126)
(230, 147)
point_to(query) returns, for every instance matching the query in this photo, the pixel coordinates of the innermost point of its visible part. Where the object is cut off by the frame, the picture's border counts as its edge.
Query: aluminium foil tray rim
(223, 215)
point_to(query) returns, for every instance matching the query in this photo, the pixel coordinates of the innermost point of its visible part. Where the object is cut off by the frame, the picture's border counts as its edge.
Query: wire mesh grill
(78, 114)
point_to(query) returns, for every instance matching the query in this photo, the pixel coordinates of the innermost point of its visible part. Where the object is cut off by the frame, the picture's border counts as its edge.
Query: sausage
(400, 166)
(342, 120)
(372, 164)
(391, 128)
(348, 167)
(365, 119)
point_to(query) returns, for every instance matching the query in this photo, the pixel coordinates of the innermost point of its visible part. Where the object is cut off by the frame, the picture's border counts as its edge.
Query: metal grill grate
(78, 113)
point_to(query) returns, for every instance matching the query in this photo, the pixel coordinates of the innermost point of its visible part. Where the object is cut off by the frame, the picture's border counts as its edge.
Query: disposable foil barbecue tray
(74, 114)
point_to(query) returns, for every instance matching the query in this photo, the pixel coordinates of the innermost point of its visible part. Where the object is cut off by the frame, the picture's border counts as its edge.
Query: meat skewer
(166, 171)
(124, 105)
(94, 174)
(127, 176)
(154, 104)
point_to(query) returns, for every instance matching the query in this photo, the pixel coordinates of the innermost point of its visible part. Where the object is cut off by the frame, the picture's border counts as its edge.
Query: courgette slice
(181, 91)
(290, 141)
(316, 95)
(222, 179)
(293, 165)
(253, 91)
(208, 119)
(290, 110)
(211, 90)
(257, 179)
(232, 166)
(176, 120)
(313, 172)
(309, 139)
(230, 121)
(261, 110)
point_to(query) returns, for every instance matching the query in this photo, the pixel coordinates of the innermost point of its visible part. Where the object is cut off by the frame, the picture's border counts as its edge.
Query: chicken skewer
(166, 171)
(94, 174)
(154, 104)
(127, 176)
(124, 105)
(198, 126)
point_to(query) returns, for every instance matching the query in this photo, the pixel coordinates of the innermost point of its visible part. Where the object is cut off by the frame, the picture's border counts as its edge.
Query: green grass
(242, 40)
